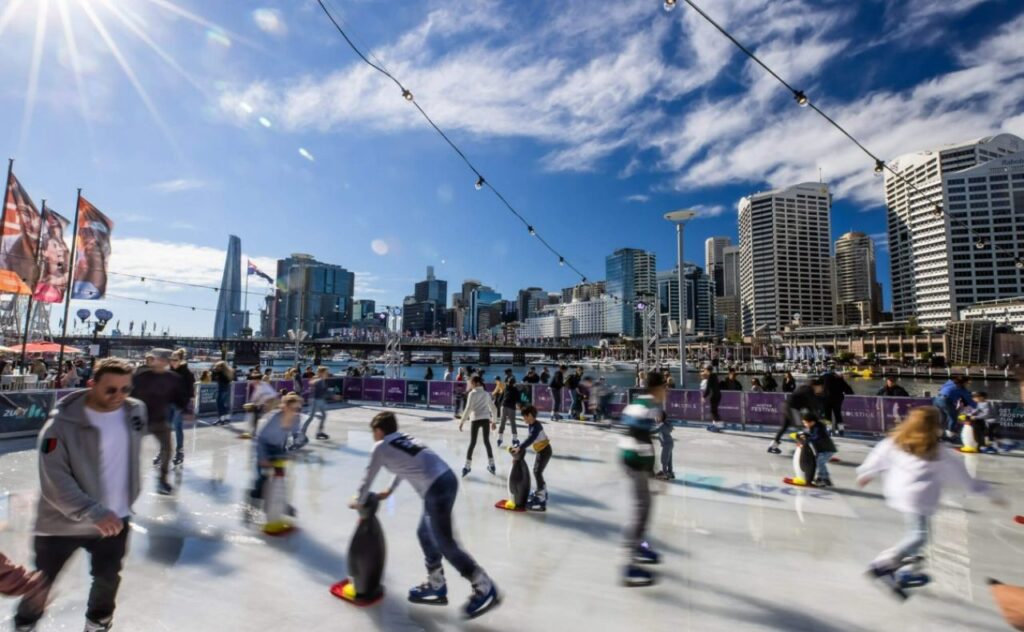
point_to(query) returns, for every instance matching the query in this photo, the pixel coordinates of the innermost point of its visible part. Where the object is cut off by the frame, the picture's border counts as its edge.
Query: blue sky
(593, 119)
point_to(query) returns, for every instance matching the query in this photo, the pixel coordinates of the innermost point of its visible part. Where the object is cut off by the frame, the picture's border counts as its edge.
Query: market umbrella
(44, 347)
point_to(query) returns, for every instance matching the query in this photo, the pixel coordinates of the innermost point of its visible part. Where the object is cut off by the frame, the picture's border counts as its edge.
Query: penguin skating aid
(366, 556)
(804, 466)
(278, 522)
(518, 485)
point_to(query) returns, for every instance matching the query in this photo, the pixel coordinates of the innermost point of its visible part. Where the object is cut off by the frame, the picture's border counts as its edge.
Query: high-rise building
(423, 312)
(936, 265)
(714, 262)
(432, 290)
(363, 309)
(698, 299)
(229, 319)
(529, 302)
(313, 296)
(727, 306)
(629, 276)
(785, 261)
(858, 294)
(480, 298)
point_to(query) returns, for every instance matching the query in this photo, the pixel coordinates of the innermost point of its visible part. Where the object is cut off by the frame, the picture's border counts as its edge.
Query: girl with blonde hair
(914, 468)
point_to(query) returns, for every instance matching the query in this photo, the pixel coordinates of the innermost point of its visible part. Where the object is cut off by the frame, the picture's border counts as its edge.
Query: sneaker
(817, 483)
(164, 489)
(646, 555)
(665, 476)
(774, 449)
(636, 576)
(426, 593)
(322, 436)
(465, 471)
(827, 482)
(95, 626)
(179, 458)
(481, 601)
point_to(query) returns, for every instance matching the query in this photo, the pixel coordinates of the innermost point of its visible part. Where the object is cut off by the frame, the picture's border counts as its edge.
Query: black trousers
(834, 412)
(105, 557)
(714, 408)
(789, 417)
(539, 464)
(162, 432)
(478, 426)
(556, 401)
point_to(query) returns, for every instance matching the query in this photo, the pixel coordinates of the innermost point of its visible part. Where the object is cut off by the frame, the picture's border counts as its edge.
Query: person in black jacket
(712, 392)
(731, 382)
(160, 390)
(572, 382)
(892, 389)
(836, 390)
(804, 398)
(768, 382)
(507, 405)
(179, 364)
(557, 382)
(545, 377)
(824, 448)
(788, 383)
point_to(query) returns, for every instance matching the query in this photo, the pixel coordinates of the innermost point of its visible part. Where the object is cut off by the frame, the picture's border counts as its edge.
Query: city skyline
(370, 189)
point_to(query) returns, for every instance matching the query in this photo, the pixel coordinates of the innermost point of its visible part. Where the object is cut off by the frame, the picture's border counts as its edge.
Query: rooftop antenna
(820, 180)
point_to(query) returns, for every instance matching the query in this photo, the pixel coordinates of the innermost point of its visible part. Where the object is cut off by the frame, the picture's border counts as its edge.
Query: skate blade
(441, 601)
(338, 590)
(482, 611)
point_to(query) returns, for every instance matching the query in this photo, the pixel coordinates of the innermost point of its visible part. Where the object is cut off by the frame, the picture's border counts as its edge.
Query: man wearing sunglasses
(89, 478)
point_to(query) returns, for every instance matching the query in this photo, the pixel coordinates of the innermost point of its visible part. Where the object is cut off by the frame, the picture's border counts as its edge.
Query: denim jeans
(223, 401)
(948, 410)
(822, 467)
(914, 539)
(667, 443)
(318, 407)
(636, 527)
(177, 418)
(436, 534)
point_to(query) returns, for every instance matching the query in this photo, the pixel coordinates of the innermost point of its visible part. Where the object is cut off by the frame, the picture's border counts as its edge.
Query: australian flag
(263, 275)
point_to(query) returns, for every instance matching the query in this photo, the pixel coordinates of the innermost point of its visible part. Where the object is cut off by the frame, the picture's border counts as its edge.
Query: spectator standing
(224, 377)
(788, 383)
(731, 382)
(892, 389)
(836, 390)
(557, 383)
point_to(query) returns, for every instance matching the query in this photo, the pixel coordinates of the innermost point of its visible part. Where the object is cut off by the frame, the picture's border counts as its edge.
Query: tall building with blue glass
(229, 319)
(630, 277)
(313, 296)
(480, 298)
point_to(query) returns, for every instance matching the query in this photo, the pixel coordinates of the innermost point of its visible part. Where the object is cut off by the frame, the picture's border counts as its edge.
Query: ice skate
(322, 436)
(715, 428)
(485, 597)
(433, 592)
(886, 579)
(774, 449)
(179, 458)
(164, 488)
(636, 576)
(98, 626)
(491, 468)
(644, 554)
(501, 440)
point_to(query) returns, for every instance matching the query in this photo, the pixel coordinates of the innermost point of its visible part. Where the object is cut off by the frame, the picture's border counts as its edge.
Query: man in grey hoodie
(89, 478)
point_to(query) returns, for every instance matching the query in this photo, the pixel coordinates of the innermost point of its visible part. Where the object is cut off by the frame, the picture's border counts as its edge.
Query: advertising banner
(684, 405)
(394, 391)
(542, 398)
(1011, 419)
(206, 399)
(24, 413)
(894, 409)
(860, 414)
(416, 392)
(373, 389)
(94, 232)
(730, 409)
(335, 388)
(239, 395)
(765, 409)
(440, 393)
(353, 388)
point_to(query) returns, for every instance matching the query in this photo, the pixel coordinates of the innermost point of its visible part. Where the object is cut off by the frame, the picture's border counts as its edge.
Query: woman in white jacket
(481, 412)
(915, 468)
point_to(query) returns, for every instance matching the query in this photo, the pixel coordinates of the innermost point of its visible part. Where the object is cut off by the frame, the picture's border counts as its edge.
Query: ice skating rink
(741, 550)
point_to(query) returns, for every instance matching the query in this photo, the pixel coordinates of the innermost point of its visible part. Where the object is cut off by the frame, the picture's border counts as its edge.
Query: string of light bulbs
(880, 166)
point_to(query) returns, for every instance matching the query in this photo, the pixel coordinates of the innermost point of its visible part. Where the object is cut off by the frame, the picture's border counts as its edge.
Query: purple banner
(730, 409)
(459, 388)
(894, 409)
(373, 389)
(542, 398)
(353, 388)
(683, 405)
(860, 414)
(283, 385)
(440, 394)
(239, 395)
(394, 391)
(765, 409)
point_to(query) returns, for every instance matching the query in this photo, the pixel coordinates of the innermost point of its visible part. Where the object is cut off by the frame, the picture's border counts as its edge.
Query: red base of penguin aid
(508, 505)
(1019, 519)
(799, 482)
(346, 591)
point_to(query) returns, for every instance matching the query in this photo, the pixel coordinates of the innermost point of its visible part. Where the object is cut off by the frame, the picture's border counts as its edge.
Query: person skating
(892, 389)
(272, 441)
(224, 376)
(804, 398)
(538, 440)
(824, 448)
(637, 453)
(657, 389)
(836, 390)
(160, 389)
(508, 404)
(179, 364)
(89, 479)
(915, 469)
(556, 384)
(950, 397)
(986, 422)
(573, 382)
(711, 391)
(318, 408)
(481, 412)
(436, 484)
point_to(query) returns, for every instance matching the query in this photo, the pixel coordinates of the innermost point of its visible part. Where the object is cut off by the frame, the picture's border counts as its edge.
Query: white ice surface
(741, 550)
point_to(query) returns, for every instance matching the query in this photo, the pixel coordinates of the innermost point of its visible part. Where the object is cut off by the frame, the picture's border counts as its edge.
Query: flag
(54, 258)
(263, 275)
(94, 230)
(18, 271)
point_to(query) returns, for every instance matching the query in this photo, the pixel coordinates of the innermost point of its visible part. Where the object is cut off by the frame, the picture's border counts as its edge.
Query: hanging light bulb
(532, 231)
(561, 261)
(879, 167)
(801, 98)
(406, 94)
(479, 183)
(981, 244)
(670, 4)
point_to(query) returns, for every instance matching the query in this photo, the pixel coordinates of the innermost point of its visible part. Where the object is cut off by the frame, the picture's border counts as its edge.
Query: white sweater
(912, 484)
(479, 405)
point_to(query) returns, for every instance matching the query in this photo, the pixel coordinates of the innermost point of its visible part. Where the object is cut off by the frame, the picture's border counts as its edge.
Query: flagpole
(3, 214)
(246, 299)
(32, 292)
(71, 280)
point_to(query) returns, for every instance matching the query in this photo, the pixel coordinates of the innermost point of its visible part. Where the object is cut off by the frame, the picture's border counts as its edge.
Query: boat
(341, 357)
(867, 373)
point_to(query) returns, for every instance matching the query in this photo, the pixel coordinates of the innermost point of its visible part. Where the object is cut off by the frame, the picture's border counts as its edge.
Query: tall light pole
(679, 218)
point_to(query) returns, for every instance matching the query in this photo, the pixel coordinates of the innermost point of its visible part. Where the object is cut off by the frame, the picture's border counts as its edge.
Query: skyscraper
(858, 294)
(313, 296)
(727, 306)
(424, 313)
(629, 276)
(529, 302)
(977, 183)
(480, 298)
(785, 262)
(432, 290)
(713, 262)
(363, 309)
(229, 319)
(698, 299)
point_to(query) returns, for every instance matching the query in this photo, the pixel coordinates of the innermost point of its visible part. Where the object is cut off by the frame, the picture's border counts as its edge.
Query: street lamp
(679, 218)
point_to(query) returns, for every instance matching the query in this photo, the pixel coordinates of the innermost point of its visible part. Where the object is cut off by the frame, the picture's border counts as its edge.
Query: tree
(912, 328)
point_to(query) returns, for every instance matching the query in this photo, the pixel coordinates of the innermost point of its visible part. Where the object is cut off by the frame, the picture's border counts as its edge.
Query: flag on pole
(18, 272)
(94, 231)
(254, 270)
(54, 258)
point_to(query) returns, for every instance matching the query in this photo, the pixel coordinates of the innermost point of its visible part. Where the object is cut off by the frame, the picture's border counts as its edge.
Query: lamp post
(679, 218)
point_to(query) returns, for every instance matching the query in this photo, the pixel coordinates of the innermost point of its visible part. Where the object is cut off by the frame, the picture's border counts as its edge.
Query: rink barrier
(23, 413)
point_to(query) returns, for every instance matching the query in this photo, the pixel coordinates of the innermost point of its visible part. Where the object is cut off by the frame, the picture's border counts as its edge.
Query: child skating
(824, 448)
(538, 440)
(437, 485)
(481, 412)
(915, 468)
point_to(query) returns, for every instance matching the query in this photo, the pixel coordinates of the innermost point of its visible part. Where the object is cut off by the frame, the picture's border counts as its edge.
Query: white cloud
(709, 210)
(638, 197)
(178, 185)
(269, 21)
(367, 284)
(881, 241)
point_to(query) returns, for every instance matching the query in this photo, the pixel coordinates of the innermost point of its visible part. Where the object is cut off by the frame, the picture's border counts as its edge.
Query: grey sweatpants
(636, 527)
(509, 415)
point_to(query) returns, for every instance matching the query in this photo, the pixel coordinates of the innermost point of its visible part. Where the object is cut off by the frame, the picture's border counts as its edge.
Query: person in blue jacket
(950, 396)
